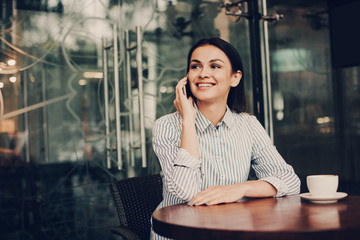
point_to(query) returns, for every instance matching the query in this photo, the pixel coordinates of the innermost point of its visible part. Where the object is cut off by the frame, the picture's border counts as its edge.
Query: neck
(213, 112)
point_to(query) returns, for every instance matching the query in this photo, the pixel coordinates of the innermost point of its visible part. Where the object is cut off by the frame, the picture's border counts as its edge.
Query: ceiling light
(11, 62)
(12, 79)
(93, 75)
(82, 82)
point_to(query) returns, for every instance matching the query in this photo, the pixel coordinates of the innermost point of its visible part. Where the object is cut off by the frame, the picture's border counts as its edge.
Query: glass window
(59, 143)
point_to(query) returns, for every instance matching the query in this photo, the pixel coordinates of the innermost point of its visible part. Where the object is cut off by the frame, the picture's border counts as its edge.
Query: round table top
(266, 218)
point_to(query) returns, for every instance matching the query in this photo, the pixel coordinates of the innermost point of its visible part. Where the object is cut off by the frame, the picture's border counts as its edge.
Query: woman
(207, 147)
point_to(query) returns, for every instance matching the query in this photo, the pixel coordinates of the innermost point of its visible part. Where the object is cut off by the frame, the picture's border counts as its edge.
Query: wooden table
(267, 218)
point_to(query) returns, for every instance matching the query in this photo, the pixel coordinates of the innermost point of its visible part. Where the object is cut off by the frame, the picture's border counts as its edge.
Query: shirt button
(219, 158)
(222, 177)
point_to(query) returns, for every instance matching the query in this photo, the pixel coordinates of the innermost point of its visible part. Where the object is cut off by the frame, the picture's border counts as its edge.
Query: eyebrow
(212, 60)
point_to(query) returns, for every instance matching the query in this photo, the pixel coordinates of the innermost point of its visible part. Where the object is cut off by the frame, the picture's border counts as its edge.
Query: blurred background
(82, 82)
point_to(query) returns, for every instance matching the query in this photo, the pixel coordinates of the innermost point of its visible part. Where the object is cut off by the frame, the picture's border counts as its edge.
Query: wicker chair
(135, 200)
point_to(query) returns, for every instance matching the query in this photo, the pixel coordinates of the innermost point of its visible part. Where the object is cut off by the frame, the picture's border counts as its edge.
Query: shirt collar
(229, 118)
(202, 122)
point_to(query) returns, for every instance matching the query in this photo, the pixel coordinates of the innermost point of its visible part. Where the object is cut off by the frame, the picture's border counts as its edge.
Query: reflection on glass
(53, 151)
(302, 89)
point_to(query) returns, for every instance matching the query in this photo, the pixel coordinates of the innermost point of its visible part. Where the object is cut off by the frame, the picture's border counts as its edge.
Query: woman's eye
(215, 66)
(195, 66)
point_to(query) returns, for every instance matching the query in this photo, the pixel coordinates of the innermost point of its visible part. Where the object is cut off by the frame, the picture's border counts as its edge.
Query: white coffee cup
(322, 186)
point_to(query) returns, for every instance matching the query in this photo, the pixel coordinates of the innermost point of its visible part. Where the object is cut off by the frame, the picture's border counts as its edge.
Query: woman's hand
(232, 193)
(183, 104)
(219, 194)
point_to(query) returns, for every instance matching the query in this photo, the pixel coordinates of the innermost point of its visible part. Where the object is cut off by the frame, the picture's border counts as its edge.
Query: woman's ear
(236, 78)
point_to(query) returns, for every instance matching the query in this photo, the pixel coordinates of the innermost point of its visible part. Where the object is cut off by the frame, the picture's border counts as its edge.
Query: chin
(204, 99)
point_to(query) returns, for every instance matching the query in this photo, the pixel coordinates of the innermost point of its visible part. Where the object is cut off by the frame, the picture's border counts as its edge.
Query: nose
(205, 72)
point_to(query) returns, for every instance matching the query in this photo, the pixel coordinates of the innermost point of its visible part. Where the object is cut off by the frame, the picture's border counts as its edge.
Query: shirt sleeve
(269, 165)
(181, 171)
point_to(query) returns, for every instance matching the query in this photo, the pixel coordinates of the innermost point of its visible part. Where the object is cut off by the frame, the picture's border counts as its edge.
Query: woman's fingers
(218, 194)
(180, 87)
(182, 103)
(204, 196)
(179, 93)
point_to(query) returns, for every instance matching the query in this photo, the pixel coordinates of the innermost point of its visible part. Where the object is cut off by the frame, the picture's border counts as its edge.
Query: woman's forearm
(258, 188)
(189, 139)
(232, 193)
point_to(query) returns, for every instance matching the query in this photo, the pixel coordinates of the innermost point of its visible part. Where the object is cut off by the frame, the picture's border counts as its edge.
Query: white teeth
(205, 85)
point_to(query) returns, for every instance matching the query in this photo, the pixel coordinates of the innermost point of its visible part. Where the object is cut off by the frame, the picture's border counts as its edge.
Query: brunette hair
(237, 98)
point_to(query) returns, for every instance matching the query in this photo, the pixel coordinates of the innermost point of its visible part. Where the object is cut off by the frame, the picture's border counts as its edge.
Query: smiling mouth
(205, 84)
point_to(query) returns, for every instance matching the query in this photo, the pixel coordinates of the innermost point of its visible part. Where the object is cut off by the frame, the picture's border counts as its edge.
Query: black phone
(187, 89)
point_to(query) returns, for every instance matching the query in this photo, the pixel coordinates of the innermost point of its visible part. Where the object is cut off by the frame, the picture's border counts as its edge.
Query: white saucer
(338, 195)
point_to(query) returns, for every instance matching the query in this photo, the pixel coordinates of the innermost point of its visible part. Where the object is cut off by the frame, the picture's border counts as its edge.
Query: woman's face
(210, 75)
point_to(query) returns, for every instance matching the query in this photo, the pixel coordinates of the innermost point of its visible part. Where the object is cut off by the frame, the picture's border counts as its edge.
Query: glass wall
(315, 108)
(347, 95)
(301, 86)
(82, 83)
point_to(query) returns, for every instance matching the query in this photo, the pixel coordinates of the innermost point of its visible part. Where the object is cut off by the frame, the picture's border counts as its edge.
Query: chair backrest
(135, 200)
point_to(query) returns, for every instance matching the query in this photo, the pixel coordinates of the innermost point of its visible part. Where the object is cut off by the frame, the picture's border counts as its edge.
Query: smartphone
(187, 89)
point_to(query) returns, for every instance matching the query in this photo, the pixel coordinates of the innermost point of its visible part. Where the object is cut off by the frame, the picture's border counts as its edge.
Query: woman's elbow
(294, 186)
(183, 193)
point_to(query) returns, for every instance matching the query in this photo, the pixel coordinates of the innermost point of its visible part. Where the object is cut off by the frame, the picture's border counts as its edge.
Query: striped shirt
(227, 152)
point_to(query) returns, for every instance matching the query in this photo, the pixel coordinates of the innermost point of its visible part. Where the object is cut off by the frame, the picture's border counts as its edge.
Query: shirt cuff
(280, 185)
(185, 159)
